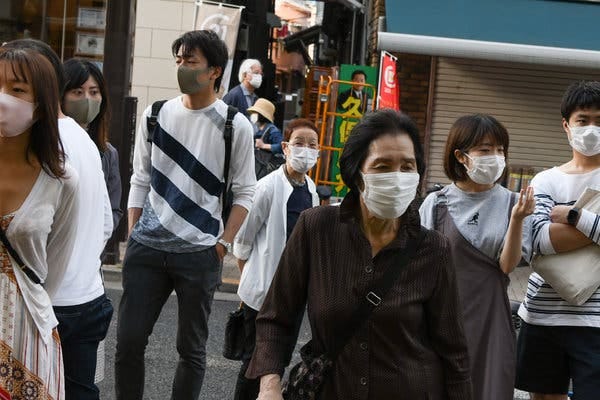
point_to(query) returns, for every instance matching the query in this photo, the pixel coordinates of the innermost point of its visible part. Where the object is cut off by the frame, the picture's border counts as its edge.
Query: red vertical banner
(389, 88)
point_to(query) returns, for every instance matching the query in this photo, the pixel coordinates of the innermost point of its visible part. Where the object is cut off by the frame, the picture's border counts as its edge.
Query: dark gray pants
(149, 277)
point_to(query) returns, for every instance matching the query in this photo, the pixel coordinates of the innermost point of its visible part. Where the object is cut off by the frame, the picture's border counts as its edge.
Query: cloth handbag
(575, 275)
(306, 377)
(233, 346)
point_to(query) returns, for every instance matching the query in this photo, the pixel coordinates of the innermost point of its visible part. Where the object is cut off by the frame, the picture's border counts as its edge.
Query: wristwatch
(573, 216)
(228, 246)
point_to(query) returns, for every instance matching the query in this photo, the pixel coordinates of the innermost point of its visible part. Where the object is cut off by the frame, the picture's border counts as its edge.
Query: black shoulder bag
(265, 161)
(307, 377)
(13, 253)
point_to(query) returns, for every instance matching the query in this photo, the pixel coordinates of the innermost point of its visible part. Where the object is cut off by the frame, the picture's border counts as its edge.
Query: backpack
(227, 196)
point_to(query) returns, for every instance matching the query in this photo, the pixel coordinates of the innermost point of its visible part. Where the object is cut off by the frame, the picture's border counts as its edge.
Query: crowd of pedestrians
(402, 300)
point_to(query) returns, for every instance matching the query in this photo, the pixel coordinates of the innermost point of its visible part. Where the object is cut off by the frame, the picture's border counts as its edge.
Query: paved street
(161, 355)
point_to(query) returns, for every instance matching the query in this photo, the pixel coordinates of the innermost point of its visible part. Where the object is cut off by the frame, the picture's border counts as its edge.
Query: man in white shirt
(80, 303)
(558, 341)
(177, 240)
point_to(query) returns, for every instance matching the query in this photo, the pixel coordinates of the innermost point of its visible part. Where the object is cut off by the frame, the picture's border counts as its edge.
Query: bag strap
(440, 200)
(13, 253)
(228, 136)
(264, 135)
(152, 119)
(376, 294)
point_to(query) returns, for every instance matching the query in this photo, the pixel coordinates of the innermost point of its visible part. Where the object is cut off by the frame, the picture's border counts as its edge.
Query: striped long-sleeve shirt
(178, 178)
(542, 305)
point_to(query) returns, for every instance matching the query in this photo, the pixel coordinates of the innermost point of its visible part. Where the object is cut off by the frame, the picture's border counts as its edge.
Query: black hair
(262, 119)
(467, 132)
(42, 48)
(580, 95)
(358, 72)
(372, 126)
(77, 71)
(209, 44)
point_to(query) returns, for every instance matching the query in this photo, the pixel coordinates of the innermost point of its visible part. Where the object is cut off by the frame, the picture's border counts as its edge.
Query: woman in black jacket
(85, 99)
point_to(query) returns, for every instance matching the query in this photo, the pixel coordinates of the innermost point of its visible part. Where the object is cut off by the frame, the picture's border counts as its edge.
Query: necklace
(293, 182)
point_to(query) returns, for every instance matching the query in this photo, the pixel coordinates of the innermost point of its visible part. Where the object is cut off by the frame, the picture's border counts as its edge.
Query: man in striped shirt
(177, 238)
(559, 342)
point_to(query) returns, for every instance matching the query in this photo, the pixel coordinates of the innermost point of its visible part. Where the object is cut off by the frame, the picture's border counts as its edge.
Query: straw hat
(264, 107)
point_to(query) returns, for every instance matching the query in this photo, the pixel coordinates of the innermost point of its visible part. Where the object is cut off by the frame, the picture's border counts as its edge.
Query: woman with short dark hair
(411, 345)
(489, 236)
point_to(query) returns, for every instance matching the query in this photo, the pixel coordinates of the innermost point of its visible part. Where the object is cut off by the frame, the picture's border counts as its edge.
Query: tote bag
(575, 275)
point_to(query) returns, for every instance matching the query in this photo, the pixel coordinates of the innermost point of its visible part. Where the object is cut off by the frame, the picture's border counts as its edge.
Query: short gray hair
(247, 67)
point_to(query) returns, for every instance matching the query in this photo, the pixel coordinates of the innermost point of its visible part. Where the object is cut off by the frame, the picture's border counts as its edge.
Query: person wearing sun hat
(268, 153)
(266, 136)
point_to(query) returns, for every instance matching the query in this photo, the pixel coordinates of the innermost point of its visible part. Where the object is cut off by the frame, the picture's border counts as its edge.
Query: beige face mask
(83, 111)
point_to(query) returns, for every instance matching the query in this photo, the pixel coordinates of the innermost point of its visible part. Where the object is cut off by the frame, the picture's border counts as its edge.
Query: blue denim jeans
(149, 277)
(81, 328)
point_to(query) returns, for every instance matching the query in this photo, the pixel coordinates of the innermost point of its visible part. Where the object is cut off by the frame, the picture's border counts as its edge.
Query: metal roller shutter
(525, 98)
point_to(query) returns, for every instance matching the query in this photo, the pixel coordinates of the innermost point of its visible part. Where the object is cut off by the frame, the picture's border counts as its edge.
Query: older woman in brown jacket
(412, 345)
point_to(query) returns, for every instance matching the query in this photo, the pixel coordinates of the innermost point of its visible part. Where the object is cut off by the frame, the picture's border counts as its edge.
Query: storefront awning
(464, 48)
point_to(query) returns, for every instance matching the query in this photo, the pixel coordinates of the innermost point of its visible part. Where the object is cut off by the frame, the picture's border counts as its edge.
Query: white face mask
(16, 115)
(302, 159)
(585, 139)
(388, 195)
(485, 170)
(256, 80)
(254, 118)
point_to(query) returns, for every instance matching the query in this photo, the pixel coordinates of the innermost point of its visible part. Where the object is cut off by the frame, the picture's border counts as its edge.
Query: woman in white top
(489, 234)
(279, 199)
(37, 199)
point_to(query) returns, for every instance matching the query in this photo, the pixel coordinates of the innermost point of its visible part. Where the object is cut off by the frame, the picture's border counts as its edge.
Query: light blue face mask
(188, 79)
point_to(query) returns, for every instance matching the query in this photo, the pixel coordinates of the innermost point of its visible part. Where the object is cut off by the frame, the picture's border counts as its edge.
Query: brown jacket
(413, 346)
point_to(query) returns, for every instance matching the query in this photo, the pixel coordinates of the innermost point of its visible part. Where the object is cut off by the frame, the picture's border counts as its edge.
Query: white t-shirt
(542, 305)
(82, 281)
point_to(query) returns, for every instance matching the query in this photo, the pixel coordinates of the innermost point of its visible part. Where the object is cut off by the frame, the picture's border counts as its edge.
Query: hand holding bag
(575, 275)
(306, 378)
(233, 346)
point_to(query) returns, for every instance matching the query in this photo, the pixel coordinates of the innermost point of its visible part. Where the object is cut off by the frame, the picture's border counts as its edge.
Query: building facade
(512, 60)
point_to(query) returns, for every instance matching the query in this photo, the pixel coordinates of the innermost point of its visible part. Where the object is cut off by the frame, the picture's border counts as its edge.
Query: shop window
(73, 28)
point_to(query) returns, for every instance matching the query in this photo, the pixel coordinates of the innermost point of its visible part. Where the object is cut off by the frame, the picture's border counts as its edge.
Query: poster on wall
(89, 44)
(352, 103)
(91, 17)
(389, 87)
(223, 19)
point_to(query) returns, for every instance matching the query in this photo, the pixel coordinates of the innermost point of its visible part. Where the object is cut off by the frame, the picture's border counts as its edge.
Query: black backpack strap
(228, 136)
(152, 119)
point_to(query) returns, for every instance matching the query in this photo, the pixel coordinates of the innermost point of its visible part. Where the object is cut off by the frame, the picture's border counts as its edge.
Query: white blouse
(42, 232)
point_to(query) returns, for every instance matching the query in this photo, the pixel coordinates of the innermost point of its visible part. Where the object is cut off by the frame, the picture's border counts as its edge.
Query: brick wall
(377, 10)
(413, 75)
